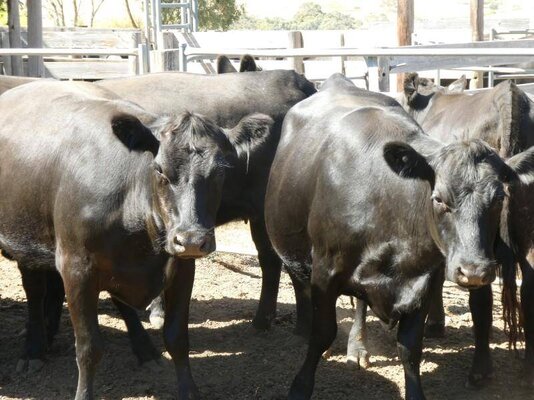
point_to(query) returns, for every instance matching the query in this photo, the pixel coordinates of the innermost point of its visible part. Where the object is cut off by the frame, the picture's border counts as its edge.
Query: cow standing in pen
(345, 220)
(113, 198)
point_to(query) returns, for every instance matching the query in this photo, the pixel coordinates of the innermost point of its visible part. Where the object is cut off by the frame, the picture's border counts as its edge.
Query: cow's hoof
(477, 381)
(29, 366)
(359, 358)
(262, 323)
(435, 330)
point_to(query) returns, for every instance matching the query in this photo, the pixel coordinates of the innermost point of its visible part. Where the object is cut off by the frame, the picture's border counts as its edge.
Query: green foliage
(213, 14)
(310, 16)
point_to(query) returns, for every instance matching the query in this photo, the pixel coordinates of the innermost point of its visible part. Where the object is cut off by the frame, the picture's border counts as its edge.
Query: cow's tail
(506, 254)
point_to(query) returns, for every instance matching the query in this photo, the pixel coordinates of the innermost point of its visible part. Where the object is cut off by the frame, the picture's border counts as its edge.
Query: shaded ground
(231, 361)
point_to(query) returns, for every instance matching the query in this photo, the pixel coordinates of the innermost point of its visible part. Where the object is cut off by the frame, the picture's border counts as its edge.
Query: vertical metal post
(491, 74)
(194, 5)
(183, 57)
(372, 70)
(13, 20)
(156, 13)
(35, 37)
(383, 74)
(142, 58)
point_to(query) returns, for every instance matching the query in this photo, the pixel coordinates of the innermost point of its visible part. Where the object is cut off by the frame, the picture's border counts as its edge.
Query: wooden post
(405, 18)
(13, 21)
(296, 42)
(477, 32)
(35, 37)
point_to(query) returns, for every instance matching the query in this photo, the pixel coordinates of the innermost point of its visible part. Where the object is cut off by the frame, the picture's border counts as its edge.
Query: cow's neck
(139, 211)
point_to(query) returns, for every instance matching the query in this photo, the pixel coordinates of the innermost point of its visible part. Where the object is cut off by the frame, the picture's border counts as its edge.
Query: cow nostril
(204, 246)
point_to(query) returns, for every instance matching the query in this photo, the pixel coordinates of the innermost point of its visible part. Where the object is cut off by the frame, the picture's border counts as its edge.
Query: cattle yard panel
(86, 65)
(381, 62)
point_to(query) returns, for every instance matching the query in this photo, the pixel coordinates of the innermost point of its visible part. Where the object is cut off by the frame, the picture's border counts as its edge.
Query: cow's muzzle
(473, 276)
(192, 244)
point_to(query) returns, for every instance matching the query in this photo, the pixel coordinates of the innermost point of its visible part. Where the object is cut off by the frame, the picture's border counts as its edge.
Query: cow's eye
(440, 204)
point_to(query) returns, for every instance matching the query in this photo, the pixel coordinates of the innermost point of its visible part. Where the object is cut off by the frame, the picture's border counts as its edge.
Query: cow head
(418, 91)
(191, 155)
(468, 181)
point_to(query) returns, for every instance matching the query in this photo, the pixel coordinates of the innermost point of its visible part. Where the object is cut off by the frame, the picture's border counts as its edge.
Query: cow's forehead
(468, 167)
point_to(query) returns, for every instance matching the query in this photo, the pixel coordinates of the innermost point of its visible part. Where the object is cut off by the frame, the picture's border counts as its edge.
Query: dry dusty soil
(231, 361)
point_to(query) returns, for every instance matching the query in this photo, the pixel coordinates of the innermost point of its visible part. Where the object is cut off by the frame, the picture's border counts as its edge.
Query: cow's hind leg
(357, 353)
(53, 304)
(142, 346)
(175, 330)
(34, 283)
(81, 287)
(324, 291)
(435, 322)
(527, 305)
(271, 266)
(481, 305)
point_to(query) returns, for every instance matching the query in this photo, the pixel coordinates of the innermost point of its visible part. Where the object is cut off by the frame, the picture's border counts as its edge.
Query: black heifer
(504, 118)
(88, 189)
(344, 221)
(226, 98)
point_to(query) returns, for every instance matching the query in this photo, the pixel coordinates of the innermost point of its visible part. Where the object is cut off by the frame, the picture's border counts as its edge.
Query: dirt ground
(231, 361)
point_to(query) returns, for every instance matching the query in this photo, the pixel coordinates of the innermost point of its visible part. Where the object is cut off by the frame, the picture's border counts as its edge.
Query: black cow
(504, 118)
(344, 222)
(115, 199)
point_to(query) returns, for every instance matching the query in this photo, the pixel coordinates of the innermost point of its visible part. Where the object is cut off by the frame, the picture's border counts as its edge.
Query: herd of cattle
(118, 185)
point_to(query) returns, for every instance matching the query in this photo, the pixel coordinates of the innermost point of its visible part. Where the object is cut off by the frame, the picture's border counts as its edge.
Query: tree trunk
(132, 20)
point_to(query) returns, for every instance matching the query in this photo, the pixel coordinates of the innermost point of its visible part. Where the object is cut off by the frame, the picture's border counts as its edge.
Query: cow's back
(224, 98)
(61, 164)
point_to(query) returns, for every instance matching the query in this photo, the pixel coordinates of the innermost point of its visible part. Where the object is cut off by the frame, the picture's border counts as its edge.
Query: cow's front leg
(410, 348)
(527, 306)
(481, 305)
(81, 288)
(435, 322)
(271, 266)
(181, 274)
(142, 346)
(324, 328)
(357, 353)
(34, 283)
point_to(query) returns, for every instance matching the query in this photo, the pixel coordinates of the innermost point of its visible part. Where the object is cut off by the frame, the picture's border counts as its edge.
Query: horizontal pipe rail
(196, 53)
(68, 52)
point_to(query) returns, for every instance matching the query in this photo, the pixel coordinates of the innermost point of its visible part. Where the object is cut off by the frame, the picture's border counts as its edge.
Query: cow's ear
(250, 132)
(224, 65)
(411, 82)
(458, 86)
(519, 168)
(408, 163)
(133, 134)
(247, 64)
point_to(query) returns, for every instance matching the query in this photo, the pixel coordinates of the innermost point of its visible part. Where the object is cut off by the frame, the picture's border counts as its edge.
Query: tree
(213, 14)
(95, 6)
(56, 10)
(130, 15)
